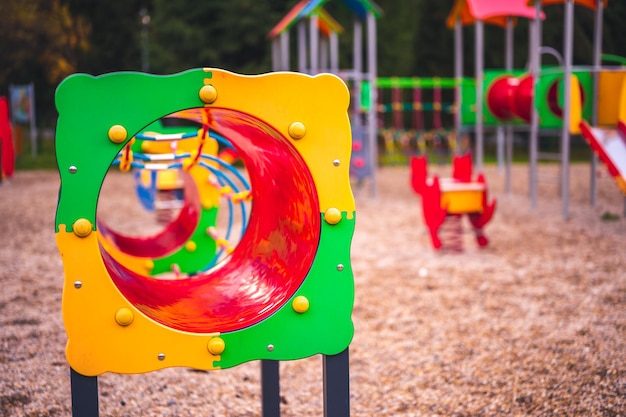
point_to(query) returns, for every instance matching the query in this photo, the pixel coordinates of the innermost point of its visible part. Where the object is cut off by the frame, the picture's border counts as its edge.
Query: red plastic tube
(270, 262)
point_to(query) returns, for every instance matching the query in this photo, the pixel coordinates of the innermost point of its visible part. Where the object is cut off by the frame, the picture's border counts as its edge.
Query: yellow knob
(149, 265)
(208, 94)
(191, 246)
(82, 228)
(332, 216)
(297, 130)
(216, 345)
(117, 134)
(300, 304)
(124, 316)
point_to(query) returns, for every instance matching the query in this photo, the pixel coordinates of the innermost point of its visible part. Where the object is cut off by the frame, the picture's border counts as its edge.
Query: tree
(45, 40)
(40, 43)
(231, 35)
(114, 34)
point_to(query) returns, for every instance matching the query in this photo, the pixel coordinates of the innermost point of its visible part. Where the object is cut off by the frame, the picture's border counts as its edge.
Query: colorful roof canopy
(591, 4)
(490, 11)
(326, 23)
(360, 7)
(288, 20)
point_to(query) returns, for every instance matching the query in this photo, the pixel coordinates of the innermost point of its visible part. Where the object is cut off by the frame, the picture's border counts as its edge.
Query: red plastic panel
(418, 173)
(501, 97)
(462, 167)
(6, 140)
(524, 98)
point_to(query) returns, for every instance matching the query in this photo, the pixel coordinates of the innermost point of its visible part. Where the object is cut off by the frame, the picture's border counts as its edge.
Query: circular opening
(270, 261)
(554, 96)
(189, 189)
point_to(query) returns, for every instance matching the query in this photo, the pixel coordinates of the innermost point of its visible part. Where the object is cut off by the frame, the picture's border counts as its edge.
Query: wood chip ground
(533, 325)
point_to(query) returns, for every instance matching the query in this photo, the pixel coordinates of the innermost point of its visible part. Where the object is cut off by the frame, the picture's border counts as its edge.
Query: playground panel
(549, 93)
(262, 303)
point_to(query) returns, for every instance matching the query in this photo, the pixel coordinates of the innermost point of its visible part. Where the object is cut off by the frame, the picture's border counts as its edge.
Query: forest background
(43, 41)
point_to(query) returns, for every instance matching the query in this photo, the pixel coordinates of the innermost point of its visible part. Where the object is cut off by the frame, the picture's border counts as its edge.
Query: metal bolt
(336, 162)
(270, 348)
(340, 267)
(73, 169)
(161, 356)
(78, 284)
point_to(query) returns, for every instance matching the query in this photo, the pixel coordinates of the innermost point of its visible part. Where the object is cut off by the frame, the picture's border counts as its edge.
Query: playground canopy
(587, 3)
(496, 11)
(490, 11)
(360, 7)
(326, 23)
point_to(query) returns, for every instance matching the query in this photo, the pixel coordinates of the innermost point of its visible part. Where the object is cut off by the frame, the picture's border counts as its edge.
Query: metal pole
(84, 395)
(284, 51)
(334, 53)
(567, 94)
(534, 65)
(597, 54)
(371, 114)
(480, 56)
(458, 76)
(508, 132)
(336, 370)
(357, 53)
(314, 44)
(270, 388)
(302, 46)
(500, 148)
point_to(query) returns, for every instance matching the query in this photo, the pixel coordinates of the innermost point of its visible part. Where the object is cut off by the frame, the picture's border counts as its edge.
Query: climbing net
(414, 118)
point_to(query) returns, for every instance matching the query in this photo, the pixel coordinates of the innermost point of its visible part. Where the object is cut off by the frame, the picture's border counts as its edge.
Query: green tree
(231, 35)
(45, 40)
(114, 35)
(40, 43)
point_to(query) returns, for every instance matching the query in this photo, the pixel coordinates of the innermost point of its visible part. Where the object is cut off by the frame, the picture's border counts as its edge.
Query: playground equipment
(22, 102)
(478, 12)
(160, 189)
(608, 138)
(7, 152)
(446, 200)
(285, 291)
(318, 51)
(470, 96)
(544, 99)
(160, 141)
(190, 242)
(419, 101)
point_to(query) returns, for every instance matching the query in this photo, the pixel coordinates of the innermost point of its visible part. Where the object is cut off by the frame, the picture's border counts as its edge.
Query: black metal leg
(84, 395)
(337, 385)
(270, 388)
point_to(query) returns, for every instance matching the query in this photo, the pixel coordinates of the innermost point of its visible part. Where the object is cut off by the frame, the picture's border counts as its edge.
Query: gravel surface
(533, 325)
